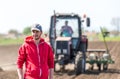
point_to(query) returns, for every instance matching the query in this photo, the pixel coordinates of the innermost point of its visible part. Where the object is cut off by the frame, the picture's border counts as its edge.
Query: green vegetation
(109, 38)
(27, 31)
(99, 37)
(6, 41)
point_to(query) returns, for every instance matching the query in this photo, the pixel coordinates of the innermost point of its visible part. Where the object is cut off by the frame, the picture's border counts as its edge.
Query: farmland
(8, 55)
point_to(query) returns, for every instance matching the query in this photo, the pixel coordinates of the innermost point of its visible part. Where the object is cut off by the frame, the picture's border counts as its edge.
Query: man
(66, 30)
(37, 56)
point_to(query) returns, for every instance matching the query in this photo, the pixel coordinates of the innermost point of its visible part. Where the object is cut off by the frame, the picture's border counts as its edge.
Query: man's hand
(20, 73)
(51, 73)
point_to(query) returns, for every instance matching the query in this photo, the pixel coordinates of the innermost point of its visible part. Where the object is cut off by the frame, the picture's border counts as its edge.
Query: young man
(37, 56)
(66, 30)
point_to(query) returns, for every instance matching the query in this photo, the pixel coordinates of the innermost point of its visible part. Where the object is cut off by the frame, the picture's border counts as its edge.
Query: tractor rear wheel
(79, 67)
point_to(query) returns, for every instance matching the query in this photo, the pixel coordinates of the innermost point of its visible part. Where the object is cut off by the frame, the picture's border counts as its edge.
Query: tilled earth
(8, 56)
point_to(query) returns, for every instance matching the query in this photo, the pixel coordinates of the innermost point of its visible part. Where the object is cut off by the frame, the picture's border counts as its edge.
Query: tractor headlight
(64, 51)
(92, 56)
(106, 56)
(58, 51)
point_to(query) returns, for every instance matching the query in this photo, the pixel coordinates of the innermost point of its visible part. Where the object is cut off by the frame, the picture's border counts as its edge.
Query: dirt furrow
(113, 71)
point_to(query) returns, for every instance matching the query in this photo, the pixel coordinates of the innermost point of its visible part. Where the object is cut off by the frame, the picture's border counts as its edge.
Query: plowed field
(8, 56)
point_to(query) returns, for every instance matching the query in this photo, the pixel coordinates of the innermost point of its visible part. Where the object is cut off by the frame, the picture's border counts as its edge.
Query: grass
(112, 38)
(108, 38)
(10, 41)
(6, 41)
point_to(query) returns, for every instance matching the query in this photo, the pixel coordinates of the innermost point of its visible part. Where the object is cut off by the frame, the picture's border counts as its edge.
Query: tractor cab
(58, 22)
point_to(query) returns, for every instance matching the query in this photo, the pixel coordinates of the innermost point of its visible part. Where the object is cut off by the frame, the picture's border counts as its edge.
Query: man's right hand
(20, 73)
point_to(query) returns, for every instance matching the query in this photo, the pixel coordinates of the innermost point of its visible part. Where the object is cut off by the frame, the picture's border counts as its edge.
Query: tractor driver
(66, 30)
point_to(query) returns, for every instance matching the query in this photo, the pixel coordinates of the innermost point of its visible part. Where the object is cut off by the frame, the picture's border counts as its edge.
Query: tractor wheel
(62, 68)
(55, 65)
(105, 66)
(79, 68)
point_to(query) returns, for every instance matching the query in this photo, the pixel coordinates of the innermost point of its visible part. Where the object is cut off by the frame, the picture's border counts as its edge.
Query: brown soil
(8, 55)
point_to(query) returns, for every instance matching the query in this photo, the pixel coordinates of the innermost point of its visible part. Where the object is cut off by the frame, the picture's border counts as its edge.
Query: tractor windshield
(67, 27)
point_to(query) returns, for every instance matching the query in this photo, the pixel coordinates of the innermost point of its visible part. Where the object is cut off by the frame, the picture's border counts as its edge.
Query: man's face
(36, 34)
(66, 23)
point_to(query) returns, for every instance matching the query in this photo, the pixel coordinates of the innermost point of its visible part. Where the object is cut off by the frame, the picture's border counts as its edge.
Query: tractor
(69, 49)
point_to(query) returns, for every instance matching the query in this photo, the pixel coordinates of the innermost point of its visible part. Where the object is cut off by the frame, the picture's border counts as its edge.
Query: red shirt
(38, 59)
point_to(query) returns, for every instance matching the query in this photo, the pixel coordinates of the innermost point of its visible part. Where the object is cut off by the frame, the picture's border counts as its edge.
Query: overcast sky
(18, 14)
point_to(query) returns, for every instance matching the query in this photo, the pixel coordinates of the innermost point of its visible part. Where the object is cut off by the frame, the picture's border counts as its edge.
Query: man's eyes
(34, 31)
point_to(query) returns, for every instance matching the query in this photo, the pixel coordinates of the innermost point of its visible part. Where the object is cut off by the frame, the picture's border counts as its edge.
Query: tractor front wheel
(79, 61)
(55, 62)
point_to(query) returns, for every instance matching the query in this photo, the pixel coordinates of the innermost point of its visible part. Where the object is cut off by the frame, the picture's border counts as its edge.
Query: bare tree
(116, 22)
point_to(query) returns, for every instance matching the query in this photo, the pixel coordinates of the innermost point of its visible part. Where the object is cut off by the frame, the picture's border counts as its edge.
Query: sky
(18, 14)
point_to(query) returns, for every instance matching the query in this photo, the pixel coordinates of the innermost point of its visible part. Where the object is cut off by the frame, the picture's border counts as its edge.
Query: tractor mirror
(88, 22)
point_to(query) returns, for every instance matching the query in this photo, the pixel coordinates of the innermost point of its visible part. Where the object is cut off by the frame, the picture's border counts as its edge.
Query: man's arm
(20, 73)
(51, 73)
(71, 30)
(20, 61)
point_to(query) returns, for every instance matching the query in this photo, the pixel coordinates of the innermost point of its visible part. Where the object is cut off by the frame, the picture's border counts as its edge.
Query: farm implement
(101, 57)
